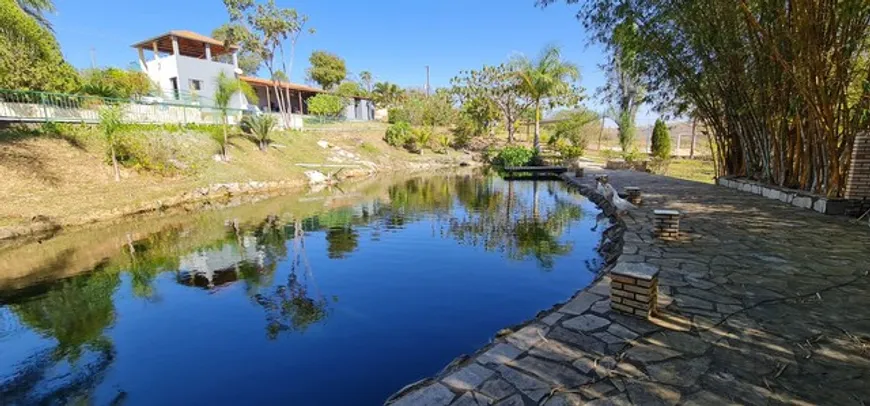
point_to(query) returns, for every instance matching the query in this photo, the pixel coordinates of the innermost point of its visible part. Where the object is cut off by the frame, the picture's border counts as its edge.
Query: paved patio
(760, 303)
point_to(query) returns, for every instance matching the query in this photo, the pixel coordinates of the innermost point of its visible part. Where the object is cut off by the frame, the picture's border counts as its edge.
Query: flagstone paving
(759, 303)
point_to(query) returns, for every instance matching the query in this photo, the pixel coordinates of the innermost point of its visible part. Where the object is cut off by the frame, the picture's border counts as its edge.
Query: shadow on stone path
(759, 303)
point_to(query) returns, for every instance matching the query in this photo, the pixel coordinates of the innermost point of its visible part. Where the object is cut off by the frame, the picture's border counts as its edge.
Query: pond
(335, 298)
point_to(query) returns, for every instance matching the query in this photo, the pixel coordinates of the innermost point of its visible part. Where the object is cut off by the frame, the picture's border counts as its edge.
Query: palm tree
(387, 94)
(228, 86)
(366, 78)
(36, 9)
(111, 120)
(545, 80)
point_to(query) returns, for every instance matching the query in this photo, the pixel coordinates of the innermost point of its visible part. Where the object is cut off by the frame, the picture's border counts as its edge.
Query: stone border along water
(456, 383)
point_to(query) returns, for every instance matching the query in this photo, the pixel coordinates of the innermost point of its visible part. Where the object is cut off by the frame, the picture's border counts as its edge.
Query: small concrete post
(634, 288)
(667, 224)
(578, 172)
(633, 195)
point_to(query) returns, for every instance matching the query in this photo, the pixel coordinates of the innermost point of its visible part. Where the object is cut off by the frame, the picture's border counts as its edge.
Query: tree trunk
(679, 144)
(692, 148)
(535, 199)
(537, 142)
(225, 151)
(510, 130)
(115, 164)
(601, 133)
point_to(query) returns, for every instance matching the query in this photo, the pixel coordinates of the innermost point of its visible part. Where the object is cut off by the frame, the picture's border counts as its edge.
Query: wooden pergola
(186, 43)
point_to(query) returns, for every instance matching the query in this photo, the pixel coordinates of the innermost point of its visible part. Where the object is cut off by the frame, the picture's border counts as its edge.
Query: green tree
(30, 58)
(366, 78)
(115, 83)
(249, 60)
(111, 120)
(350, 89)
(569, 135)
(547, 82)
(36, 10)
(261, 127)
(387, 94)
(661, 141)
(280, 76)
(267, 28)
(225, 88)
(438, 109)
(767, 79)
(327, 69)
(623, 90)
(499, 85)
(326, 105)
(482, 113)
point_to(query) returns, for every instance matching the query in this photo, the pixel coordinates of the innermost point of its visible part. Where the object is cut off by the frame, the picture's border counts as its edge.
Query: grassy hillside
(62, 172)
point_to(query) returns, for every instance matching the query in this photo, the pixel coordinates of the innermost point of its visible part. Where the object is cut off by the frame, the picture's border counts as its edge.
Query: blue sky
(393, 39)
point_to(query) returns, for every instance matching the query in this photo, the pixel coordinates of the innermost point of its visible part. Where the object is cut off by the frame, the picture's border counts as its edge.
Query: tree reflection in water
(521, 219)
(75, 313)
(291, 307)
(511, 225)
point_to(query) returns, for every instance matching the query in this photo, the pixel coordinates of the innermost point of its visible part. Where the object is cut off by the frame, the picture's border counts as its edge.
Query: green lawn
(692, 169)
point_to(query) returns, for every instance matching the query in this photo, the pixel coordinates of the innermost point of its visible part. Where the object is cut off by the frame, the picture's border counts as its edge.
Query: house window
(195, 85)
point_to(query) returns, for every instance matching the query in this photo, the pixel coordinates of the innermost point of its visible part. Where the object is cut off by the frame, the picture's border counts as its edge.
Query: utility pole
(93, 58)
(427, 80)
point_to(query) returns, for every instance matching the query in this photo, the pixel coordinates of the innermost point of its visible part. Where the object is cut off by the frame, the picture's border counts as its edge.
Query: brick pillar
(667, 224)
(634, 288)
(633, 195)
(858, 181)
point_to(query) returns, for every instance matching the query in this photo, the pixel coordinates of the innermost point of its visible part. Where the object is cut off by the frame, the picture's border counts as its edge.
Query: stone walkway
(759, 303)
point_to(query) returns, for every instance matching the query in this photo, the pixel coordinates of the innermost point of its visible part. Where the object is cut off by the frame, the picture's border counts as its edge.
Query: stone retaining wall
(799, 198)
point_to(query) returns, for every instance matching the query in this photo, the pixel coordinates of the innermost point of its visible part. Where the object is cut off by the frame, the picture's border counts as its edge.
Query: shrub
(465, 131)
(261, 127)
(423, 135)
(570, 151)
(115, 83)
(325, 105)
(397, 115)
(514, 155)
(569, 136)
(443, 143)
(632, 156)
(398, 134)
(661, 141)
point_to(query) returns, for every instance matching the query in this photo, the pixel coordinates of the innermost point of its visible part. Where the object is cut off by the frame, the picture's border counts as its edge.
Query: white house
(185, 66)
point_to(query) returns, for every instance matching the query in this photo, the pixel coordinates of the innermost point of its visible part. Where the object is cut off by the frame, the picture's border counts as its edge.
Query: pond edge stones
(634, 288)
(666, 224)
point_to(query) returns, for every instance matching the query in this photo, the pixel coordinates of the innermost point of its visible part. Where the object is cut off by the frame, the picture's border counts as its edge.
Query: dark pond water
(328, 299)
